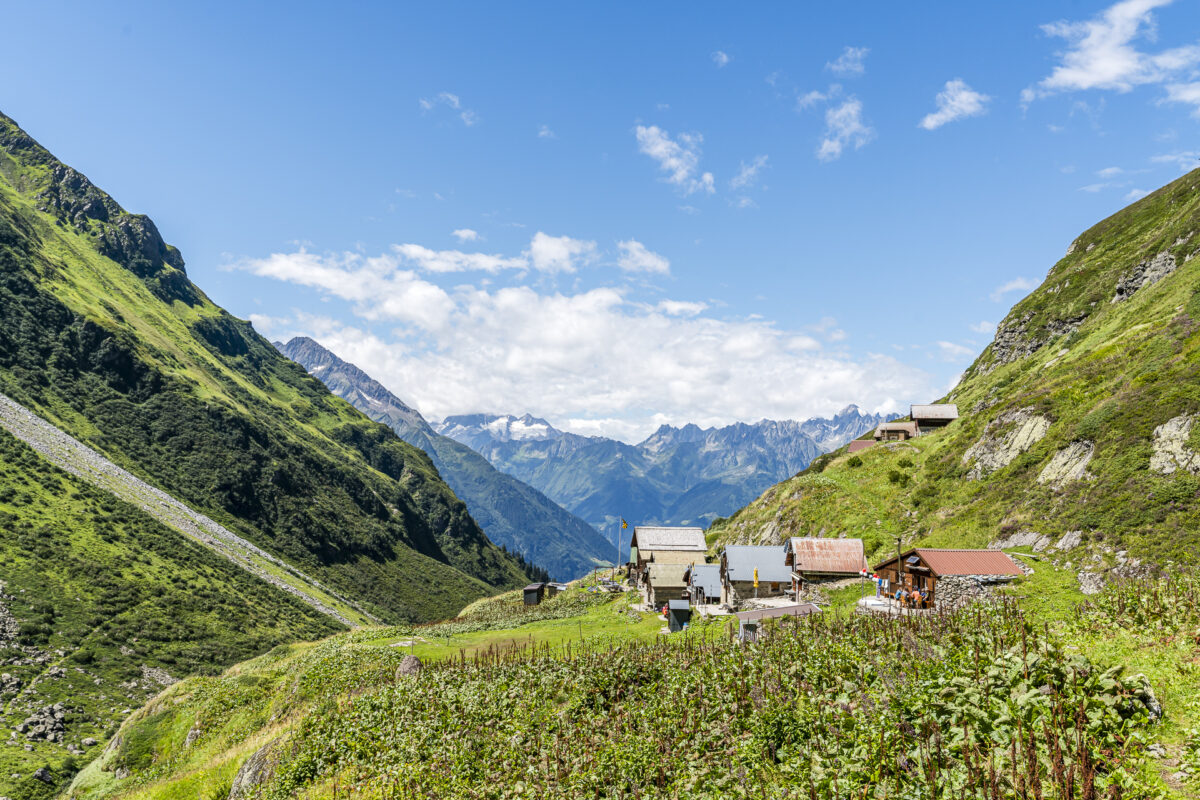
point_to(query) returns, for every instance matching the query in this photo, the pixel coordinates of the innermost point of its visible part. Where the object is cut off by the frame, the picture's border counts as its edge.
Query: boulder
(1171, 452)
(409, 665)
(255, 771)
(1068, 464)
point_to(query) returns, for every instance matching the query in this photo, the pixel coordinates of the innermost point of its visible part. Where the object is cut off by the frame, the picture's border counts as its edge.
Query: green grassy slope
(1090, 373)
(826, 707)
(106, 337)
(96, 591)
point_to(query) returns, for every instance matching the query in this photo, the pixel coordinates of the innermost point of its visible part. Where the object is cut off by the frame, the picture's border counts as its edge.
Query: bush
(905, 462)
(854, 461)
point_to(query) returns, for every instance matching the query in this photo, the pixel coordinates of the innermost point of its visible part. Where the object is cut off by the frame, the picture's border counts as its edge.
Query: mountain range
(512, 513)
(679, 475)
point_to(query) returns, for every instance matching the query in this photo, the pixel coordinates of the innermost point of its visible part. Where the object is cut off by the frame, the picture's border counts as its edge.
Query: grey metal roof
(647, 537)
(741, 559)
(934, 411)
(678, 605)
(802, 610)
(535, 587)
(707, 577)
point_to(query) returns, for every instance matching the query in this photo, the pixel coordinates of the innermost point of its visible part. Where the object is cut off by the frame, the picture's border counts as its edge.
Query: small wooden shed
(535, 593)
(679, 614)
(933, 416)
(896, 432)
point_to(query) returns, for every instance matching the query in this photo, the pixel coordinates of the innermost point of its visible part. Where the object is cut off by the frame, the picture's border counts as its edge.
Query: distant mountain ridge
(677, 475)
(511, 513)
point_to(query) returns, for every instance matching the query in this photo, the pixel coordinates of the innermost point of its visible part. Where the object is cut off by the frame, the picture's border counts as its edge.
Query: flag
(624, 524)
(756, 577)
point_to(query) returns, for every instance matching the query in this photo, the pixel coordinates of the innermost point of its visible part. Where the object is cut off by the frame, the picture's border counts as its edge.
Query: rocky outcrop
(996, 451)
(1032, 539)
(1016, 341)
(1144, 274)
(1068, 464)
(9, 627)
(1090, 582)
(1171, 452)
(1069, 541)
(157, 675)
(255, 771)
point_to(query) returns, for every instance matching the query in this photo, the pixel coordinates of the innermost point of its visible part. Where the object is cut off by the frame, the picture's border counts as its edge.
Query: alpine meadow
(660, 402)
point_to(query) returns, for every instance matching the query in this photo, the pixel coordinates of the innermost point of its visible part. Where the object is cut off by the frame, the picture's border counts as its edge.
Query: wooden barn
(662, 582)
(816, 558)
(932, 417)
(535, 593)
(923, 567)
(660, 545)
(896, 432)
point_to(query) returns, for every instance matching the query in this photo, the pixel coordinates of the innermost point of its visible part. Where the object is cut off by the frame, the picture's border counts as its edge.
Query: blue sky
(665, 212)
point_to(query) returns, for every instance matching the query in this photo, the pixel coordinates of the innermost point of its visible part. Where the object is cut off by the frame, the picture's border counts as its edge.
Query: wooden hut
(679, 613)
(815, 558)
(663, 582)
(932, 417)
(896, 432)
(535, 593)
(659, 545)
(922, 568)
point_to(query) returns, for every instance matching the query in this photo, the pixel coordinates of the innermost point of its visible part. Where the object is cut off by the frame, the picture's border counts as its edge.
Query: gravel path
(71, 455)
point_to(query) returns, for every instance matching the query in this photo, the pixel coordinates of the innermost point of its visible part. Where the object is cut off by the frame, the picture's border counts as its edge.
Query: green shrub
(854, 461)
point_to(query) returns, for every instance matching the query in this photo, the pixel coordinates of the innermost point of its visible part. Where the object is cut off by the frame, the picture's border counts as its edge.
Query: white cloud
(594, 361)
(720, 58)
(1184, 160)
(1188, 93)
(954, 352)
(465, 235)
(428, 260)
(1015, 285)
(843, 126)
(544, 132)
(1101, 53)
(983, 326)
(748, 173)
(1109, 172)
(850, 62)
(956, 101)
(559, 253)
(453, 102)
(1092, 188)
(681, 308)
(636, 258)
(679, 159)
(1135, 194)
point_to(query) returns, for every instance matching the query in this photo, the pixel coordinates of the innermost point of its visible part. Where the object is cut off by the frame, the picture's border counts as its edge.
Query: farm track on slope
(71, 455)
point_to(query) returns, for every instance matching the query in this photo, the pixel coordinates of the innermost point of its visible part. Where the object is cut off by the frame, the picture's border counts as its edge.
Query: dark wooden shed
(679, 613)
(534, 593)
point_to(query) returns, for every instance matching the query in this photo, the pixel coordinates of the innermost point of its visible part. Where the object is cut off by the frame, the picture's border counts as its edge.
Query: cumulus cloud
(592, 361)
(1102, 53)
(850, 62)
(843, 126)
(721, 58)
(465, 235)
(956, 101)
(636, 258)
(806, 101)
(954, 352)
(559, 253)
(453, 102)
(983, 326)
(679, 158)
(1135, 194)
(748, 173)
(1184, 160)
(1015, 285)
(1188, 93)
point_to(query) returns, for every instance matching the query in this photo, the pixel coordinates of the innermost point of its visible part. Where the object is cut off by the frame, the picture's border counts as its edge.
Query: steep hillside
(512, 514)
(105, 336)
(100, 607)
(1077, 431)
(681, 476)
